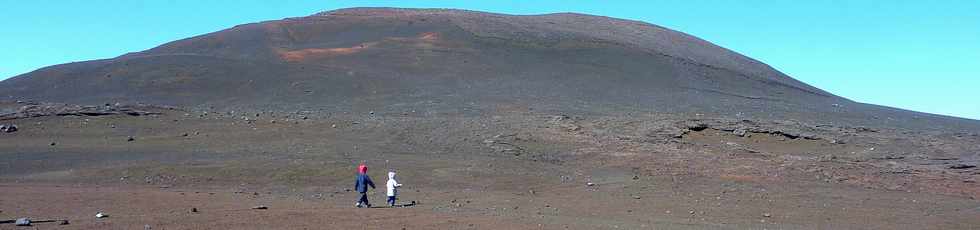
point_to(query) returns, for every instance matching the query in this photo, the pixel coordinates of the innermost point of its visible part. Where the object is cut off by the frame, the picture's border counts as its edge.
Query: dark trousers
(363, 199)
(391, 200)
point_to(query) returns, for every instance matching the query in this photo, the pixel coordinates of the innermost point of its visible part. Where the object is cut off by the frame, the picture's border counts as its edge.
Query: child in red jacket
(363, 181)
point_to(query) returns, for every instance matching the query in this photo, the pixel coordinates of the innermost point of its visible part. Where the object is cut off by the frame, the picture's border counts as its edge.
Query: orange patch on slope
(302, 54)
(429, 36)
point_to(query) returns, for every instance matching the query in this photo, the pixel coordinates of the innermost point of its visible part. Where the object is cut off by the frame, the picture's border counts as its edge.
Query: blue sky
(918, 55)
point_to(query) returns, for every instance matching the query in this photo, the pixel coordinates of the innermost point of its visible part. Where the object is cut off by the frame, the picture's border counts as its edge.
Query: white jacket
(392, 184)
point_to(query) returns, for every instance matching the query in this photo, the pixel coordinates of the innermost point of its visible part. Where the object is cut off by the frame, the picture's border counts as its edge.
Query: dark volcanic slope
(450, 61)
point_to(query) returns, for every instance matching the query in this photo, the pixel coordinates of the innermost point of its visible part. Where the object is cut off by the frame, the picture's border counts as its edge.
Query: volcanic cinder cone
(452, 62)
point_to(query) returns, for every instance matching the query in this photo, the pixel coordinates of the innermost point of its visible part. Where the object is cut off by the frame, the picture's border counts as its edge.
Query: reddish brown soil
(525, 172)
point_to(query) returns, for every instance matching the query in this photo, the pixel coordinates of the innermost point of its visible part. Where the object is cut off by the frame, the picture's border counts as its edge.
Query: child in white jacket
(392, 188)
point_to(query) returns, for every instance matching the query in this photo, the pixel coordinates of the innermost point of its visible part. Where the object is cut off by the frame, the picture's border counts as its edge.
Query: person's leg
(366, 202)
(358, 204)
(363, 200)
(391, 200)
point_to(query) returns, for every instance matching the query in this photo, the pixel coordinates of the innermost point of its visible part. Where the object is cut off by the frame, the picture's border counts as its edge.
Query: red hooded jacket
(362, 169)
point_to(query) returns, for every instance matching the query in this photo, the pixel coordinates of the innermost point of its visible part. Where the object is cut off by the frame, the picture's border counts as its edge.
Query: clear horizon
(918, 56)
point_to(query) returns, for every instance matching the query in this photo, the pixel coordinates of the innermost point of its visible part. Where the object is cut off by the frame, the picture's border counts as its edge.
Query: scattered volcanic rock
(60, 109)
(961, 166)
(8, 128)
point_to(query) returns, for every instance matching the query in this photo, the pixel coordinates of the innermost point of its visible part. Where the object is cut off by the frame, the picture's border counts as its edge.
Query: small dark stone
(961, 166)
(740, 132)
(130, 138)
(793, 136)
(22, 222)
(697, 127)
(8, 128)
(193, 209)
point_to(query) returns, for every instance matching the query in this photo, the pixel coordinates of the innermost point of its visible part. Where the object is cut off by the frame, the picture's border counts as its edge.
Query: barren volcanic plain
(492, 121)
